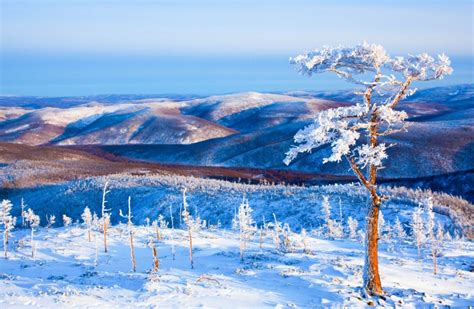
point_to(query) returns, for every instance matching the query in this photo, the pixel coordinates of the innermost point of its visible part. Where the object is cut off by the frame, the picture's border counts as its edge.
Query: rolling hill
(244, 130)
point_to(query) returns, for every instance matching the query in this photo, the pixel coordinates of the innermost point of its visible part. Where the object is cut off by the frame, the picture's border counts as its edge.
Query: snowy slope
(66, 272)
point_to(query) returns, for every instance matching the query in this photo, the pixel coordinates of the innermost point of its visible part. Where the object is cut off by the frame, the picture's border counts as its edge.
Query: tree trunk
(132, 253)
(190, 247)
(371, 276)
(156, 263)
(5, 242)
(105, 237)
(372, 283)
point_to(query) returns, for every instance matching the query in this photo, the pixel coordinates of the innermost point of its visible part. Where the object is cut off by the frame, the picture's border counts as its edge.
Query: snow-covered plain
(65, 272)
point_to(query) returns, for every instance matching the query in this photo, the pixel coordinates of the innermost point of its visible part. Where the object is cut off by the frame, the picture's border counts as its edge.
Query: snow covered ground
(66, 273)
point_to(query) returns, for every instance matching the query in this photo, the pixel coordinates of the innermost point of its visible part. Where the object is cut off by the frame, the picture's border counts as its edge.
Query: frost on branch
(342, 127)
(344, 61)
(368, 155)
(422, 67)
(334, 126)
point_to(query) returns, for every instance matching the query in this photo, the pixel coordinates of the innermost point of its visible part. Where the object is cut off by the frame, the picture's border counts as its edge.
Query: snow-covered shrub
(287, 241)
(418, 228)
(277, 234)
(7, 222)
(50, 221)
(352, 225)
(163, 224)
(66, 220)
(87, 220)
(235, 221)
(246, 225)
(399, 230)
(304, 241)
(333, 229)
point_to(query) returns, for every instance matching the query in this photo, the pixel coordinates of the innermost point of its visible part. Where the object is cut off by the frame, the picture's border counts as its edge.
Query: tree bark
(372, 283)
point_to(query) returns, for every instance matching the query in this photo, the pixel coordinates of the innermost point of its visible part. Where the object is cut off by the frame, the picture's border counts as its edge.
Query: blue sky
(61, 47)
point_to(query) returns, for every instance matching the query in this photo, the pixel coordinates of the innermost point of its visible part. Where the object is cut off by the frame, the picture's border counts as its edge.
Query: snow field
(65, 274)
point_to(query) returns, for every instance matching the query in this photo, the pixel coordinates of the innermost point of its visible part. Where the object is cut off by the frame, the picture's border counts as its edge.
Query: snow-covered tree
(87, 219)
(355, 132)
(33, 221)
(399, 230)
(418, 228)
(277, 231)
(158, 225)
(235, 221)
(50, 221)
(162, 222)
(96, 224)
(152, 246)
(286, 233)
(130, 232)
(353, 225)
(246, 225)
(7, 222)
(304, 241)
(331, 226)
(105, 218)
(172, 234)
(191, 224)
(154, 226)
(66, 220)
(436, 238)
(23, 212)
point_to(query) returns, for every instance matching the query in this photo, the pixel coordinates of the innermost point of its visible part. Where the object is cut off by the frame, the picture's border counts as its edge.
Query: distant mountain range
(250, 130)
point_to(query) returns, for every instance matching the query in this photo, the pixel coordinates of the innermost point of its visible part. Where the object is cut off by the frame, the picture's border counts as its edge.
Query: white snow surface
(64, 273)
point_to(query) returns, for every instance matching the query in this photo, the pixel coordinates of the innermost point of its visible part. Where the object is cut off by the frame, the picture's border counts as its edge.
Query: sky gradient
(73, 47)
